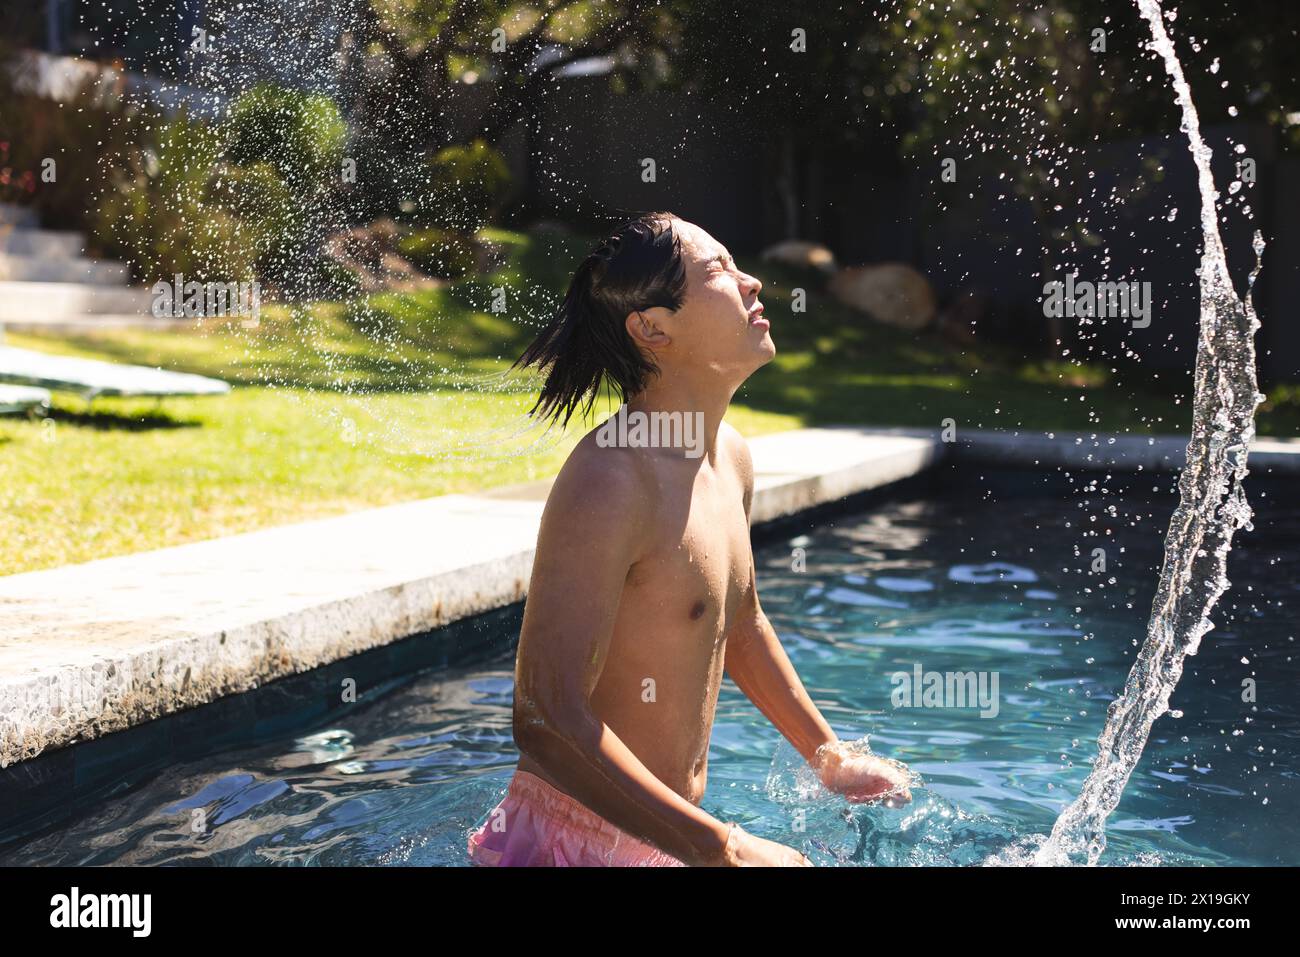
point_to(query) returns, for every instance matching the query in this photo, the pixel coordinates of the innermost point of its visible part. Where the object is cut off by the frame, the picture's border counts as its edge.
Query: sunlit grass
(339, 407)
(126, 476)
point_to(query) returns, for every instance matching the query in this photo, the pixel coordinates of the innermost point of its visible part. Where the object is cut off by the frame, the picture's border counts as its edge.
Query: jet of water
(1212, 506)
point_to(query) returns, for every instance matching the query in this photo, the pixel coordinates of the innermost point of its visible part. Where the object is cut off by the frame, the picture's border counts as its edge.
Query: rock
(370, 254)
(801, 254)
(894, 294)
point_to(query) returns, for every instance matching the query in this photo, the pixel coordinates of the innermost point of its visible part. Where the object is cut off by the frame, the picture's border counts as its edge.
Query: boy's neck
(712, 402)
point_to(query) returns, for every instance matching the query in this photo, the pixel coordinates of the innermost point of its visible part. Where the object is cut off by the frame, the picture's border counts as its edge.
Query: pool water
(978, 571)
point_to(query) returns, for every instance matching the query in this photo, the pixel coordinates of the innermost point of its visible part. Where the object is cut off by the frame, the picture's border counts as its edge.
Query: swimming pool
(968, 570)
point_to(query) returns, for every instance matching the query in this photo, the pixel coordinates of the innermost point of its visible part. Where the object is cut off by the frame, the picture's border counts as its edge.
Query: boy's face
(720, 325)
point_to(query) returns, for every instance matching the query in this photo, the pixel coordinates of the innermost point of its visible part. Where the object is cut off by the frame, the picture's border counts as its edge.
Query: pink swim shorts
(535, 825)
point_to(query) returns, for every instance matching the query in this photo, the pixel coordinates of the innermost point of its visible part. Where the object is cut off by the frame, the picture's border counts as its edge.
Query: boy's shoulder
(737, 450)
(598, 473)
(600, 505)
(627, 474)
(729, 433)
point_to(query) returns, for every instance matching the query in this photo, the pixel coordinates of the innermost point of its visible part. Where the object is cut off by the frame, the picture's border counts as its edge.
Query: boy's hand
(745, 850)
(861, 776)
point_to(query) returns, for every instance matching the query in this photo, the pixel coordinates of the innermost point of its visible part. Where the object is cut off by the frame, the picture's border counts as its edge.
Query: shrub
(439, 252)
(164, 212)
(302, 135)
(239, 199)
(468, 184)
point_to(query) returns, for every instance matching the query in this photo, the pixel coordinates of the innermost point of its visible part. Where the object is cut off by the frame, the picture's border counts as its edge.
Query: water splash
(1212, 506)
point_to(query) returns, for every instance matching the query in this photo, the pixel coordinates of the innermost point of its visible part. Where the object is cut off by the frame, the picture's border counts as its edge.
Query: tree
(432, 45)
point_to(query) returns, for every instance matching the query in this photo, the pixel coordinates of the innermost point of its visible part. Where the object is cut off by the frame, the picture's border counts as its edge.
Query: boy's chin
(762, 354)
(762, 357)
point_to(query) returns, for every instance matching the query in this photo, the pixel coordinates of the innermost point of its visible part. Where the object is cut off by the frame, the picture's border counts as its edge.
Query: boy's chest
(699, 564)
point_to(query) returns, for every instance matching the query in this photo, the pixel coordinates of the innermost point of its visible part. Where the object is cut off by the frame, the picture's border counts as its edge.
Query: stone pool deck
(89, 649)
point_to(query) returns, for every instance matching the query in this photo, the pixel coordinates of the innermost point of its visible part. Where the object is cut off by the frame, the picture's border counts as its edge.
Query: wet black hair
(637, 266)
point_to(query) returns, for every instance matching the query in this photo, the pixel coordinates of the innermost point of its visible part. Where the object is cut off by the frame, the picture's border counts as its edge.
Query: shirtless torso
(664, 666)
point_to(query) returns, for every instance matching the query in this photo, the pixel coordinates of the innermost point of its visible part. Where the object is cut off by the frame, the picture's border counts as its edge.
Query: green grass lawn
(346, 406)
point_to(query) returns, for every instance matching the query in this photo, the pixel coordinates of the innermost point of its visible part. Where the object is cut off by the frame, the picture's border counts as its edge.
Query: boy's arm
(755, 660)
(595, 520)
(758, 664)
(760, 668)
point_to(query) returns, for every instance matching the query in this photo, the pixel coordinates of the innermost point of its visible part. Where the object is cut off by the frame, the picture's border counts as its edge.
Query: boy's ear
(646, 329)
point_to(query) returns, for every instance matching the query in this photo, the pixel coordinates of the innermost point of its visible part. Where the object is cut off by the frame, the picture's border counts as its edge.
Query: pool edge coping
(181, 665)
(65, 680)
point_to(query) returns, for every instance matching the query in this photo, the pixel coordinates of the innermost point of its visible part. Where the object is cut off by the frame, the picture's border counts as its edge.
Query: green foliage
(468, 183)
(165, 212)
(301, 135)
(439, 252)
(228, 201)
(261, 199)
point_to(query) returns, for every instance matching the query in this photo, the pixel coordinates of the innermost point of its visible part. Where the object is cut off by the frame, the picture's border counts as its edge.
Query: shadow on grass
(833, 397)
(105, 420)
